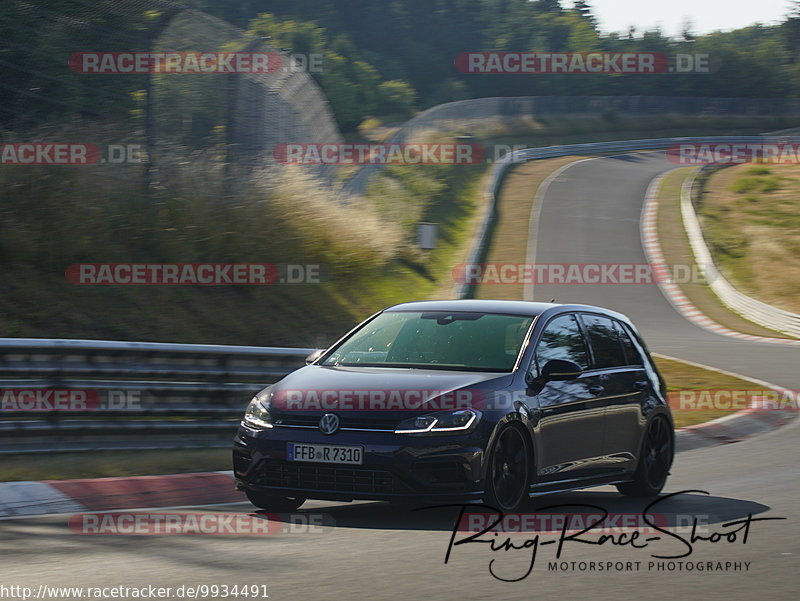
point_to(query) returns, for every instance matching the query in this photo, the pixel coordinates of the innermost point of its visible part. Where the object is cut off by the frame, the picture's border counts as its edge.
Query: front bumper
(395, 467)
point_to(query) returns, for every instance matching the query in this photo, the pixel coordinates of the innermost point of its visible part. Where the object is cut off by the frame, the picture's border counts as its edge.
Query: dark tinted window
(604, 338)
(632, 355)
(562, 339)
(436, 339)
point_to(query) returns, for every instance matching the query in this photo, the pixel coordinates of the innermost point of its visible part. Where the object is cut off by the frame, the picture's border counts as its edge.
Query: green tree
(352, 85)
(397, 97)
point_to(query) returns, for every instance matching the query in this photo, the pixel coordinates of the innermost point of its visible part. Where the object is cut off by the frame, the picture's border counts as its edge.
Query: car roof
(508, 307)
(477, 306)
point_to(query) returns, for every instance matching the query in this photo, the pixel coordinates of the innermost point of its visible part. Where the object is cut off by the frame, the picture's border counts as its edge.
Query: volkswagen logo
(329, 423)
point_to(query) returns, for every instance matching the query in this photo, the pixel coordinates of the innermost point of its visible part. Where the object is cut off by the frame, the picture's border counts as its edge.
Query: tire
(272, 502)
(508, 471)
(655, 460)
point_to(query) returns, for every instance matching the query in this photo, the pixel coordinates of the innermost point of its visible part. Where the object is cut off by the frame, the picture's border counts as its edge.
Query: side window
(562, 339)
(605, 342)
(632, 354)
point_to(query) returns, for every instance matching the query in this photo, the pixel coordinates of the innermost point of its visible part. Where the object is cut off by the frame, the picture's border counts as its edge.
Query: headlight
(444, 421)
(257, 413)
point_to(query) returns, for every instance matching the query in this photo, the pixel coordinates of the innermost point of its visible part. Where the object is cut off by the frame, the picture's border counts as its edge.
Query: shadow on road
(671, 511)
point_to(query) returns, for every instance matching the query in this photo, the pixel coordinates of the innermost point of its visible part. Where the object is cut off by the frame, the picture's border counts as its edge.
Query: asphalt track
(371, 551)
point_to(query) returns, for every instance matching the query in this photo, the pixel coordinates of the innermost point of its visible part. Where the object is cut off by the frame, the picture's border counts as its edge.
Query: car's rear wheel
(654, 461)
(507, 476)
(272, 502)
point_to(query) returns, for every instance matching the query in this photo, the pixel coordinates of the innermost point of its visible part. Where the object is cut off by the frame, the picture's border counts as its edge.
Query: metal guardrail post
(149, 111)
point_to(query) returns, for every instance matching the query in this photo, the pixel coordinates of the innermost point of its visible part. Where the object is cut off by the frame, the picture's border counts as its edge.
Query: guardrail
(96, 394)
(750, 308)
(479, 248)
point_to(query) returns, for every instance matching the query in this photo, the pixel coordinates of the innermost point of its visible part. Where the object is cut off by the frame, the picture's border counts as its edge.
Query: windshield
(436, 340)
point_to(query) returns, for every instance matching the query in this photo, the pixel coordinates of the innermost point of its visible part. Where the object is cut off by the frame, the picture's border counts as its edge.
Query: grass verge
(106, 464)
(684, 376)
(677, 251)
(751, 221)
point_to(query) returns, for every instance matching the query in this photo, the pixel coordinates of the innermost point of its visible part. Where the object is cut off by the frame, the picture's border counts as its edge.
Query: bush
(397, 97)
(770, 184)
(745, 184)
(760, 183)
(367, 125)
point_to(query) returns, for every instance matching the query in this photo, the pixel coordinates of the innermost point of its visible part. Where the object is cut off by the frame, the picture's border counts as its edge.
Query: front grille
(297, 420)
(369, 423)
(318, 477)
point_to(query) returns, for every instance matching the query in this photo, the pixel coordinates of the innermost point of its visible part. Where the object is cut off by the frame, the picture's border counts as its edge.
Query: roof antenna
(552, 300)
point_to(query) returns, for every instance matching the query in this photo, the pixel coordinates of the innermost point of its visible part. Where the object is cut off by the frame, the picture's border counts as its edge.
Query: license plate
(324, 453)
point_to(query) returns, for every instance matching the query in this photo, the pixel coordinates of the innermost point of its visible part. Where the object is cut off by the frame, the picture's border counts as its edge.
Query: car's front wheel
(654, 461)
(272, 502)
(507, 476)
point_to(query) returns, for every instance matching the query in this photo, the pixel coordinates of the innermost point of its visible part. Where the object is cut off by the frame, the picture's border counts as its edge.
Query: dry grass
(349, 235)
(683, 376)
(675, 246)
(751, 220)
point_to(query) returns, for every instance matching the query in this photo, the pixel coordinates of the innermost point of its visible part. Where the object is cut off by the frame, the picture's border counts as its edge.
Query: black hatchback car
(457, 401)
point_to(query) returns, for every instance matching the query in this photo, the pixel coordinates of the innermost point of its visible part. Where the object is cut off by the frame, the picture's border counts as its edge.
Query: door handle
(640, 385)
(595, 390)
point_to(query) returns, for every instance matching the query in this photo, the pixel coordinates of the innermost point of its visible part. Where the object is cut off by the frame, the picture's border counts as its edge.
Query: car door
(620, 370)
(569, 441)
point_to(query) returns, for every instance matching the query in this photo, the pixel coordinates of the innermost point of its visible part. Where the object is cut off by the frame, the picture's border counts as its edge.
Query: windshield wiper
(436, 366)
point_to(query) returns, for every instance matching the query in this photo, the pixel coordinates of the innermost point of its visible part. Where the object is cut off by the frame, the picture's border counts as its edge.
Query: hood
(382, 394)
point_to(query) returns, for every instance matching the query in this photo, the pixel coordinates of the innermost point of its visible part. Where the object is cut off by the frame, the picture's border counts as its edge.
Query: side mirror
(314, 356)
(558, 370)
